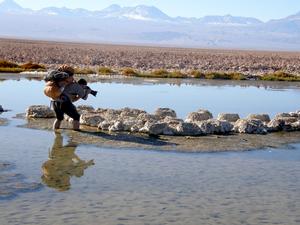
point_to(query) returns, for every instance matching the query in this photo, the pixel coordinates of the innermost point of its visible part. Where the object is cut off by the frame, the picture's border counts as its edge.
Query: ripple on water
(12, 184)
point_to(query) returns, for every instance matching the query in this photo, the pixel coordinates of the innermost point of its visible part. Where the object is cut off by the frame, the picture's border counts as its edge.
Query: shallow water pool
(183, 96)
(83, 184)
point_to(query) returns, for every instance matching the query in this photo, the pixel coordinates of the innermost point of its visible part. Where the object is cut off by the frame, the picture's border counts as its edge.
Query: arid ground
(148, 58)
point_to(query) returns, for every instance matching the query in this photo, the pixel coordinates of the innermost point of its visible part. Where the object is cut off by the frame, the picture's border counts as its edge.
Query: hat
(67, 69)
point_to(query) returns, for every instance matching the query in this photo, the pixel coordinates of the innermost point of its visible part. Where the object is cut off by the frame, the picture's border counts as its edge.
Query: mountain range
(148, 25)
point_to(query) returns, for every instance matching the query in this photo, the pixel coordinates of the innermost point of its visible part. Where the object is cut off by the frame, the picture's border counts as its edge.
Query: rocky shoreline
(3, 121)
(164, 121)
(164, 132)
(187, 144)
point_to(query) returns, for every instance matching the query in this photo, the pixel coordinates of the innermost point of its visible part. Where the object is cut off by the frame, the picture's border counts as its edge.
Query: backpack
(56, 76)
(52, 90)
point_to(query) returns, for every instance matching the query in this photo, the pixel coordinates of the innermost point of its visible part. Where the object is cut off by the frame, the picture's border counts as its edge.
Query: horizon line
(122, 6)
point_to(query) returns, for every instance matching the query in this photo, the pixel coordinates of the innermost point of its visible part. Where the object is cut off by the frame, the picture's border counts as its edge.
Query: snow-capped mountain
(112, 9)
(140, 12)
(145, 13)
(148, 25)
(54, 11)
(229, 20)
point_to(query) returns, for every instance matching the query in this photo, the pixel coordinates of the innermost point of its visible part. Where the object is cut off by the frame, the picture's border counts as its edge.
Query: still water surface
(188, 96)
(91, 185)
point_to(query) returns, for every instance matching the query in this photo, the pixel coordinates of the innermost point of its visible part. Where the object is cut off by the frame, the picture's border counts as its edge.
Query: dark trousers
(65, 107)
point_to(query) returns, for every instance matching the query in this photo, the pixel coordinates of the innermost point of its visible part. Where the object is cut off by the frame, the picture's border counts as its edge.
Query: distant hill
(10, 6)
(148, 25)
(229, 20)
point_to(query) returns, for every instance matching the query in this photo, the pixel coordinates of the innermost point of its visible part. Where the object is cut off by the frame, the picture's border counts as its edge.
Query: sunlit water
(90, 185)
(184, 98)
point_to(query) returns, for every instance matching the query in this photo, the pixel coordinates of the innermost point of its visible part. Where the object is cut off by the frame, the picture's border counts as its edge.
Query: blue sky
(261, 9)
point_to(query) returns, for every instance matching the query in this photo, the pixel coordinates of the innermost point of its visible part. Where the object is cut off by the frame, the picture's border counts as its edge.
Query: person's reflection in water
(62, 164)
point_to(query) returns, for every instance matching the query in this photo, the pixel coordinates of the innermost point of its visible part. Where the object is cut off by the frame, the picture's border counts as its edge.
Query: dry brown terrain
(147, 58)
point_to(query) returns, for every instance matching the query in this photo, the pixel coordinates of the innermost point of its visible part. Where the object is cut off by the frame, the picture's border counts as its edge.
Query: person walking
(62, 88)
(56, 81)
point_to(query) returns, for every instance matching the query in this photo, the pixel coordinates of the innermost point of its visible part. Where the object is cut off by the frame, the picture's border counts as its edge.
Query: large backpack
(52, 90)
(56, 76)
